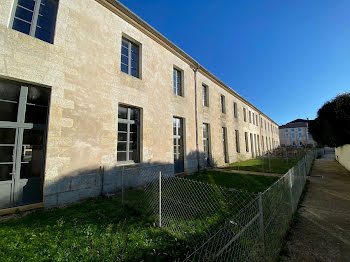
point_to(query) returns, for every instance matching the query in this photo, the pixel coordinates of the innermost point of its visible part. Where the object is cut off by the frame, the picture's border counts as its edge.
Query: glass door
(7, 166)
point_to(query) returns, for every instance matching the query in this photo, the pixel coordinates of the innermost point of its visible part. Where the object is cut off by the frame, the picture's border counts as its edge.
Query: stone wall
(82, 69)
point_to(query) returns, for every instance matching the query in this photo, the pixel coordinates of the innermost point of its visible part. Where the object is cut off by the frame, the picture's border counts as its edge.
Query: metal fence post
(290, 189)
(261, 225)
(160, 198)
(123, 170)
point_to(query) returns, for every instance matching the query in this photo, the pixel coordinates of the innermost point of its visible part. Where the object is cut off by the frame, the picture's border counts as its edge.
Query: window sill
(132, 77)
(128, 164)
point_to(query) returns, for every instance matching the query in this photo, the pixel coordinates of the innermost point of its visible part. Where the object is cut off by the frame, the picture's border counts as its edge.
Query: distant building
(296, 133)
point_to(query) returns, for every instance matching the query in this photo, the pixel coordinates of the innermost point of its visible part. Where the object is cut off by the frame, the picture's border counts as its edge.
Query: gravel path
(322, 231)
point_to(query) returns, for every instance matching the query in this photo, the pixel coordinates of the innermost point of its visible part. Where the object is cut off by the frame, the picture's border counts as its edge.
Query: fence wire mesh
(220, 224)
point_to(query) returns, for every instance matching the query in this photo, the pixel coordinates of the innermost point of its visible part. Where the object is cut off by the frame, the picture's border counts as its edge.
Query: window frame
(129, 122)
(235, 110)
(223, 104)
(181, 73)
(244, 114)
(205, 95)
(238, 148)
(34, 22)
(131, 43)
(246, 141)
(206, 140)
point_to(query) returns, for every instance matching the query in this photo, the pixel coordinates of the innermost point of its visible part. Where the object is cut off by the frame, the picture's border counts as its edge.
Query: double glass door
(23, 126)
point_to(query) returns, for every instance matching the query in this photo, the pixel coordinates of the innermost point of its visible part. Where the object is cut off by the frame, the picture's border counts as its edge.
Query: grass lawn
(105, 230)
(277, 165)
(250, 183)
(95, 230)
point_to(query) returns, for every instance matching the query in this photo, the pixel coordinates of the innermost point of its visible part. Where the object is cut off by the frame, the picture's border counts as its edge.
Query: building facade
(296, 133)
(87, 88)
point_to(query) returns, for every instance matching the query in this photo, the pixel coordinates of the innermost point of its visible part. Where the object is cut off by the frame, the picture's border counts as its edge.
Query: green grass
(277, 165)
(95, 230)
(250, 183)
(105, 230)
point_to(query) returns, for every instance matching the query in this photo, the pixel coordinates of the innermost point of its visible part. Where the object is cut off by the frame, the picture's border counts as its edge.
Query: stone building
(87, 87)
(296, 133)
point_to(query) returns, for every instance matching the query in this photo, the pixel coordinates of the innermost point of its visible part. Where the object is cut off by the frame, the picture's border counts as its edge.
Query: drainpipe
(196, 113)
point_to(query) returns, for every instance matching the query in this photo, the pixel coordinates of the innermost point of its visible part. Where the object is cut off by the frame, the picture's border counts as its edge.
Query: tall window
(261, 123)
(178, 132)
(235, 113)
(237, 141)
(258, 142)
(250, 117)
(130, 58)
(253, 118)
(205, 95)
(244, 114)
(262, 143)
(128, 148)
(223, 105)
(206, 141)
(246, 141)
(35, 18)
(224, 144)
(177, 82)
(256, 120)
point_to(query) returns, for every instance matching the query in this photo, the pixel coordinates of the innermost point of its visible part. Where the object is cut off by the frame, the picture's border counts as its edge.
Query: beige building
(87, 87)
(296, 133)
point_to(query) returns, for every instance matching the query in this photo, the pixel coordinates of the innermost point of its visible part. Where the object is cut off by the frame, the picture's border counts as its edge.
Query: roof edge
(129, 16)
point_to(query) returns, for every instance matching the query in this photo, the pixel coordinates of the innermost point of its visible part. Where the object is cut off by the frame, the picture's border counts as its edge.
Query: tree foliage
(332, 125)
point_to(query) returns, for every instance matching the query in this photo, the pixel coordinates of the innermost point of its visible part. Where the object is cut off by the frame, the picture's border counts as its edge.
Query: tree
(332, 125)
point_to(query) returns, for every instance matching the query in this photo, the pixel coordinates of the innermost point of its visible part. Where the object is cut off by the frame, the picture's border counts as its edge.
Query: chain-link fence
(218, 223)
(257, 231)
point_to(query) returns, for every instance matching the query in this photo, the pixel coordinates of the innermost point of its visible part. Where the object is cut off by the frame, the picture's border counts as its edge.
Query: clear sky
(286, 57)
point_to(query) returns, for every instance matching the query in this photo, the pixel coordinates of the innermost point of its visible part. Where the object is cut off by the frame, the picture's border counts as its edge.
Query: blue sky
(286, 57)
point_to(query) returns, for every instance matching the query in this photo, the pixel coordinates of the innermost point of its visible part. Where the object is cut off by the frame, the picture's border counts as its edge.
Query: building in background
(296, 133)
(88, 88)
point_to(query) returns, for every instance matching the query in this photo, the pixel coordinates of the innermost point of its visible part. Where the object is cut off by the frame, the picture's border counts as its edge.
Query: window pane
(9, 91)
(124, 68)
(33, 137)
(134, 56)
(133, 137)
(134, 72)
(133, 128)
(36, 114)
(24, 14)
(123, 112)
(125, 51)
(133, 146)
(6, 153)
(43, 35)
(125, 60)
(21, 26)
(121, 146)
(38, 95)
(122, 137)
(125, 44)
(5, 171)
(121, 156)
(133, 64)
(122, 127)
(7, 135)
(8, 111)
(133, 156)
(29, 4)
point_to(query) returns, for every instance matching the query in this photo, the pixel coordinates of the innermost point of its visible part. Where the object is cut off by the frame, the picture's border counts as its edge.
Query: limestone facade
(83, 70)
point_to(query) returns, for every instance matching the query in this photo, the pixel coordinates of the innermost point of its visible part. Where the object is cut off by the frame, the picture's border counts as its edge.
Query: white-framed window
(244, 114)
(128, 145)
(177, 82)
(35, 18)
(130, 60)
(206, 141)
(205, 95)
